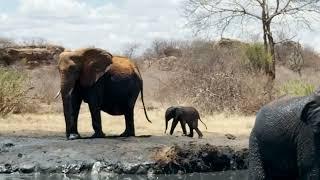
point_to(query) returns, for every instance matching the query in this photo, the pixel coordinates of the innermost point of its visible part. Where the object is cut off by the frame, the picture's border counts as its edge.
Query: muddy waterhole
(227, 175)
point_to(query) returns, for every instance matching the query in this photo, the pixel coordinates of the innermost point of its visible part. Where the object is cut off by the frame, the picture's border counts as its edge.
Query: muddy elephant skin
(285, 140)
(108, 83)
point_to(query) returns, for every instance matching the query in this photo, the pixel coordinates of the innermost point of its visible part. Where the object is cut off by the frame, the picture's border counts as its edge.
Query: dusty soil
(135, 155)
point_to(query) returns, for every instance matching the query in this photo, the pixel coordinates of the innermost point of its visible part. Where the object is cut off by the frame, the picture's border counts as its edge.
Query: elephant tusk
(57, 95)
(70, 92)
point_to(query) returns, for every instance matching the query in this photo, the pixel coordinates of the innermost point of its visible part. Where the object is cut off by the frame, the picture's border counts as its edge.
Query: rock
(31, 55)
(150, 174)
(5, 168)
(130, 168)
(27, 168)
(230, 136)
(8, 145)
(96, 168)
(230, 43)
(72, 168)
(171, 51)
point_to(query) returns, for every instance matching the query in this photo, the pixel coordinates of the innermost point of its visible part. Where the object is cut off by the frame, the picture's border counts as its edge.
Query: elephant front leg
(96, 122)
(129, 131)
(173, 126)
(71, 106)
(191, 129)
(183, 126)
(256, 170)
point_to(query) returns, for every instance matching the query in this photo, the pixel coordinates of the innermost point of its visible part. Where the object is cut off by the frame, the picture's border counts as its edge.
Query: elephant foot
(98, 135)
(73, 136)
(126, 134)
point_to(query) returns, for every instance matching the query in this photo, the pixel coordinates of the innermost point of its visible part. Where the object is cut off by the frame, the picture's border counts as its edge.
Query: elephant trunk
(168, 116)
(166, 125)
(170, 113)
(67, 86)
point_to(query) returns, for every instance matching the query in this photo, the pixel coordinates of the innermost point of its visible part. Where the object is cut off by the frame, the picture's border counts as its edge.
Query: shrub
(256, 57)
(211, 89)
(46, 83)
(12, 91)
(296, 88)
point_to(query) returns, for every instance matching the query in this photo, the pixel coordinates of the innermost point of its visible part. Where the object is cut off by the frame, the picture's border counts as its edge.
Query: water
(227, 175)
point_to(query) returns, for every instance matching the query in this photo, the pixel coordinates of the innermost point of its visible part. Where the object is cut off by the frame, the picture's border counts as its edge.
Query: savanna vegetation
(224, 79)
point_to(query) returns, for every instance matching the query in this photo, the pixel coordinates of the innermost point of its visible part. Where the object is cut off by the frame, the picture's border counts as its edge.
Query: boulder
(30, 56)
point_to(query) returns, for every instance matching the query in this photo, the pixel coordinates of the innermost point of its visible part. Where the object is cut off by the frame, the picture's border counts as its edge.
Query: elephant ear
(311, 115)
(95, 63)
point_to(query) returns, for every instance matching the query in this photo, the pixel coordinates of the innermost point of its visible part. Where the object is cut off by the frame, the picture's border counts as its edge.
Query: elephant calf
(185, 115)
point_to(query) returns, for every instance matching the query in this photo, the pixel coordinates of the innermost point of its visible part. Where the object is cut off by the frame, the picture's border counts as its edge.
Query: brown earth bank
(143, 154)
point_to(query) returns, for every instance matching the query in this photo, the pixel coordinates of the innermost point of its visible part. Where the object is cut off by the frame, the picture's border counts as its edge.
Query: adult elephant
(107, 83)
(285, 140)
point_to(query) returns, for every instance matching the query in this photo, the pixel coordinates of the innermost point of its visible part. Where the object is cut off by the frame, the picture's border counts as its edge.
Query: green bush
(297, 88)
(12, 91)
(256, 57)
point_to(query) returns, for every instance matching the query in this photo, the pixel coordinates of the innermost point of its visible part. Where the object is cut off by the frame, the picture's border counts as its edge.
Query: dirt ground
(36, 142)
(124, 155)
(52, 124)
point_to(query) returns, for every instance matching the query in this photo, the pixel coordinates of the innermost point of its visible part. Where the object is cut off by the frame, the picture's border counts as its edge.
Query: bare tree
(6, 42)
(222, 14)
(130, 49)
(34, 42)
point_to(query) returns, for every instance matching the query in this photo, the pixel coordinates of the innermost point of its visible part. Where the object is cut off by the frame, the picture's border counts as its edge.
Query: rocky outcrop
(171, 51)
(30, 56)
(230, 43)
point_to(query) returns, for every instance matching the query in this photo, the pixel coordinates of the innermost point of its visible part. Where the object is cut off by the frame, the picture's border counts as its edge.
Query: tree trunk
(272, 65)
(269, 48)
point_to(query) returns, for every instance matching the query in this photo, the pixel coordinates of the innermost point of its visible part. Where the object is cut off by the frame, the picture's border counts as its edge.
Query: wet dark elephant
(107, 83)
(285, 140)
(184, 115)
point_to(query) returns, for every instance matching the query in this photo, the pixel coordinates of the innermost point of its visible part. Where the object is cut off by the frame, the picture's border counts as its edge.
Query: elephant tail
(144, 107)
(203, 123)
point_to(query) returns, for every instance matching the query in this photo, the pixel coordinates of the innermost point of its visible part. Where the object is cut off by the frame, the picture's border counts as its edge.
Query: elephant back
(279, 114)
(122, 66)
(288, 103)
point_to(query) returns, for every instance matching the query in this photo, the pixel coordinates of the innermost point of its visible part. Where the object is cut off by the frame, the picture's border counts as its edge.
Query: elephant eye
(74, 69)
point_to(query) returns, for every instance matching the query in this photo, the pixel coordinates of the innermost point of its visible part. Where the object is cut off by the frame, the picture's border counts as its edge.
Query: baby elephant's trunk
(169, 115)
(166, 125)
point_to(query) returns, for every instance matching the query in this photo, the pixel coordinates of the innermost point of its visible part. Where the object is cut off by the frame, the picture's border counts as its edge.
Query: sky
(108, 24)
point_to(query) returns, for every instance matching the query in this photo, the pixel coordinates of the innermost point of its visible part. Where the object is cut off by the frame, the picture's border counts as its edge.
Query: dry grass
(211, 76)
(46, 83)
(53, 123)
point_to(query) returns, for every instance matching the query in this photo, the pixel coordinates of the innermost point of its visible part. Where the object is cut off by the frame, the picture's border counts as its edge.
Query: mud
(134, 155)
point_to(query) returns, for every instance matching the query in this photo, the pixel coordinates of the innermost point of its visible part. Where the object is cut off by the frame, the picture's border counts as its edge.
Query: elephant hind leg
(256, 169)
(129, 131)
(191, 130)
(199, 132)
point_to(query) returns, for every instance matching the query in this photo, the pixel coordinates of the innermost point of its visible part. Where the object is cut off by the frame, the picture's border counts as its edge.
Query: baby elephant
(185, 115)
